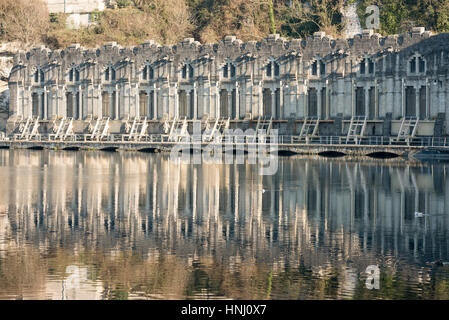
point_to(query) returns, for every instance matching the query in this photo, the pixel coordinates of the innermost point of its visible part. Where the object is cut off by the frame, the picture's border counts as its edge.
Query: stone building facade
(382, 78)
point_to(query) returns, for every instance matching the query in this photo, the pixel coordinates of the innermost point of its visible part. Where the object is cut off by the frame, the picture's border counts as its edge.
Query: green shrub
(123, 3)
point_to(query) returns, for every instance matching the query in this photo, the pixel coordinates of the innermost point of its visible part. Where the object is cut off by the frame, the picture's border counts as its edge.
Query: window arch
(367, 67)
(109, 74)
(272, 69)
(229, 70)
(416, 64)
(73, 74)
(39, 75)
(147, 72)
(318, 67)
(187, 71)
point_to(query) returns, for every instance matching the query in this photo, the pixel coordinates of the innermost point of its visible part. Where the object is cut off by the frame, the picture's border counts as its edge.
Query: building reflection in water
(127, 225)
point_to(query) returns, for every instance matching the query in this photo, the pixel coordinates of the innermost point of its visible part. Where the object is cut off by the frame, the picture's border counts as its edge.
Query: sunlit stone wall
(382, 78)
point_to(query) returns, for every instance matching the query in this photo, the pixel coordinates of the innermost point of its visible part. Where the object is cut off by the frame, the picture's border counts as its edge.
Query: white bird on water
(419, 214)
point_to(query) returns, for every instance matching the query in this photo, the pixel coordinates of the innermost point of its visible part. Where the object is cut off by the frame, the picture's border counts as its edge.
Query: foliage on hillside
(398, 16)
(168, 21)
(23, 20)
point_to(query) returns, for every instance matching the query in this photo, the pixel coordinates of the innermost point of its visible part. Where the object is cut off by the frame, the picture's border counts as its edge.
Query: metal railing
(287, 140)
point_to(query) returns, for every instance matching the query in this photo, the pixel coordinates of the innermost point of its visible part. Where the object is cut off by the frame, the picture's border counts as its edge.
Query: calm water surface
(88, 225)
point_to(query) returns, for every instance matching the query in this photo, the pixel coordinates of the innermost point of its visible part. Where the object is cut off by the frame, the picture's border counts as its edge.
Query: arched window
(421, 64)
(269, 70)
(363, 66)
(367, 66)
(187, 72)
(147, 73)
(272, 66)
(228, 70)
(416, 64)
(322, 68)
(315, 68)
(74, 75)
(318, 67)
(370, 66)
(39, 76)
(109, 74)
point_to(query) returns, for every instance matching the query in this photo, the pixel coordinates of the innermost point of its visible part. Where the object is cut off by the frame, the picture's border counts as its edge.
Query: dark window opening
(370, 67)
(413, 65)
(360, 101)
(323, 103)
(322, 68)
(184, 72)
(372, 103)
(225, 71)
(269, 70)
(410, 102)
(106, 74)
(314, 68)
(362, 67)
(232, 71)
(312, 103)
(144, 73)
(71, 75)
(276, 70)
(422, 65)
(77, 75)
(190, 71)
(422, 103)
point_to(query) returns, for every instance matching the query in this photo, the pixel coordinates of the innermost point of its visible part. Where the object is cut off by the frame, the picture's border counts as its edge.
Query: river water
(125, 225)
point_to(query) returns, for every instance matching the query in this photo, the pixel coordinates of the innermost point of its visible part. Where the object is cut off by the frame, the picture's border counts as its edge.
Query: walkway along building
(383, 79)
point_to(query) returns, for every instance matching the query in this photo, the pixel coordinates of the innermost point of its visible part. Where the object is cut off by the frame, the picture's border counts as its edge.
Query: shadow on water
(332, 154)
(71, 148)
(149, 150)
(382, 155)
(108, 149)
(286, 153)
(36, 148)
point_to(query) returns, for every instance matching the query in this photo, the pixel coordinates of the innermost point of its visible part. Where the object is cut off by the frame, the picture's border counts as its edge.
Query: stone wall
(75, 6)
(333, 79)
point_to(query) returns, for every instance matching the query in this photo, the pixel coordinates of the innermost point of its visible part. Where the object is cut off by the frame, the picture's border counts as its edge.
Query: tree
(272, 25)
(306, 17)
(26, 21)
